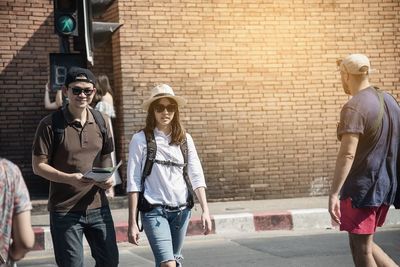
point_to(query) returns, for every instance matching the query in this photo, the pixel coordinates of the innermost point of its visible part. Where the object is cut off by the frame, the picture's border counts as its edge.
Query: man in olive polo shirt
(77, 205)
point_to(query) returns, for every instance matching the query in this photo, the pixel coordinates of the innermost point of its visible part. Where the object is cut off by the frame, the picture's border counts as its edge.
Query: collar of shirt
(166, 151)
(161, 133)
(71, 121)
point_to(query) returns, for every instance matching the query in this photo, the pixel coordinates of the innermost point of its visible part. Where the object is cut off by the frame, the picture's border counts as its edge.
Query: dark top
(372, 180)
(79, 151)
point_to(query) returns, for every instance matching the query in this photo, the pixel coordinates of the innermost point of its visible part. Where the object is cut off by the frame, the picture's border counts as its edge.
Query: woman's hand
(133, 234)
(206, 222)
(205, 216)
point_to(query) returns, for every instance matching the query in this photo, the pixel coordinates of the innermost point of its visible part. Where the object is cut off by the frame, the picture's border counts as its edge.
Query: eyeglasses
(160, 108)
(78, 91)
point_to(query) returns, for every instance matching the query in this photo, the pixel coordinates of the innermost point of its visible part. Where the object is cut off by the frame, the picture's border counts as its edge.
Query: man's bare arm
(344, 161)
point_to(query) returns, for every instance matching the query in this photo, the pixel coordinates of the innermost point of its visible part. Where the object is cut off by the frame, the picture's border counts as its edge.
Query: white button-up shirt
(165, 185)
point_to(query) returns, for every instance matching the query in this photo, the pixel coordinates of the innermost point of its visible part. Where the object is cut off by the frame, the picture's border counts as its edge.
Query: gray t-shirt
(372, 180)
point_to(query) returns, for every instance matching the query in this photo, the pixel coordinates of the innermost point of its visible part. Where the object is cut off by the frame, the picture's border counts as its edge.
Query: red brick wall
(259, 77)
(27, 37)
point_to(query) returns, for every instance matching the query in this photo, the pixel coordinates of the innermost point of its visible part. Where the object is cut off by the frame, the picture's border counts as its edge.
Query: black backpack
(58, 125)
(143, 204)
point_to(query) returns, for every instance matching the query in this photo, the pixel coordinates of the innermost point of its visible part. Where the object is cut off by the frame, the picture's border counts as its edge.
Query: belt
(171, 208)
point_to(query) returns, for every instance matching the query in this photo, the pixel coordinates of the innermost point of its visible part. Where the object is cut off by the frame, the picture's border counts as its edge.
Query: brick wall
(259, 76)
(263, 97)
(27, 37)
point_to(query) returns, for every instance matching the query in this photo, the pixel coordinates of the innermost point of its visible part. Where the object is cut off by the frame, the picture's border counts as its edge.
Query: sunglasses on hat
(79, 90)
(160, 108)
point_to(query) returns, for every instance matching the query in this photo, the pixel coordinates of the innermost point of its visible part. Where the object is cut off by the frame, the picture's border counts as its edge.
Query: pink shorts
(361, 220)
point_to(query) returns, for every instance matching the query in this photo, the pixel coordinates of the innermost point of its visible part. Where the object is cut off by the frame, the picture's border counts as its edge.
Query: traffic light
(59, 65)
(65, 18)
(92, 34)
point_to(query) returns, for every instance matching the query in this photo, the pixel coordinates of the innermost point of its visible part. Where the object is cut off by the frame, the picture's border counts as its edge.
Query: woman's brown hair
(102, 87)
(177, 131)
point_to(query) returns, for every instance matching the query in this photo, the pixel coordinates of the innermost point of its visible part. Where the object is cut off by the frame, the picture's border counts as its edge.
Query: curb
(222, 224)
(301, 219)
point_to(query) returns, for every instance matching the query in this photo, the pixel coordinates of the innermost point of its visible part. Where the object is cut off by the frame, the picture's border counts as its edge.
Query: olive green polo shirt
(80, 150)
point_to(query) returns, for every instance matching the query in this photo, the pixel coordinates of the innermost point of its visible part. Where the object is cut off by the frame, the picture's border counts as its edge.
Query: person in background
(165, 188)
(17, 236)
(52, 105)
(104, 103)
(366, 171)
(78, 206)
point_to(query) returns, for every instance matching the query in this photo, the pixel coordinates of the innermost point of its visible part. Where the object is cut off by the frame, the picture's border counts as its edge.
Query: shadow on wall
(23, 74)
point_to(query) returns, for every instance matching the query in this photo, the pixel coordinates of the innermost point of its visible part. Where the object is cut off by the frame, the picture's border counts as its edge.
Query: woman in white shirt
(165, 189)
(104, 103)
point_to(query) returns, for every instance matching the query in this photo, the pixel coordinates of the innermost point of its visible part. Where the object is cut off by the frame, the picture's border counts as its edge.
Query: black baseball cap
(75, 75)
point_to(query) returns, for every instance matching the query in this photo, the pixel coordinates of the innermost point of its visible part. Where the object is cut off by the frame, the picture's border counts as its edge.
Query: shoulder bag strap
(378, 121)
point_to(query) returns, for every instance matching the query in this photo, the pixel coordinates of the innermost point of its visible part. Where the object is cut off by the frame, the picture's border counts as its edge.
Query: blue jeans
(165, 231)
(67, 229)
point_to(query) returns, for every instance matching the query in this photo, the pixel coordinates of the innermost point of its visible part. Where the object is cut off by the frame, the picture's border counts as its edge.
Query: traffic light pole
(64, 44)
(74, 20)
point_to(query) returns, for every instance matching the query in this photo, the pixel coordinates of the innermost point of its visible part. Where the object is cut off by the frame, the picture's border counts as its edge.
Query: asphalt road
(273, 249)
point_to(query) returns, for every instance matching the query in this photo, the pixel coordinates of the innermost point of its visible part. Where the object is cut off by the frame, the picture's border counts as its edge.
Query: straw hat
(161, 91)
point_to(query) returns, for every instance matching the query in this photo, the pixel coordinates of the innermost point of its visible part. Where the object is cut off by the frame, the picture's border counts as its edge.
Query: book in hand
(101, 174)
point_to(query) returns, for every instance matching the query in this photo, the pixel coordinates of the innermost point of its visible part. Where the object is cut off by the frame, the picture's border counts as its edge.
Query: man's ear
(348, 76)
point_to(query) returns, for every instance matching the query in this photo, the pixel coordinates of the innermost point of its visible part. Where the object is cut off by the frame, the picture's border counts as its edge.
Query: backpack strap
(185, 152)
(151, 158)
(151, 155)
(58, 125)
(99, 119)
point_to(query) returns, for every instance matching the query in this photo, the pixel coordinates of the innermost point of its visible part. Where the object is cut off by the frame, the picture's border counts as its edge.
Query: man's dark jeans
(67, 229)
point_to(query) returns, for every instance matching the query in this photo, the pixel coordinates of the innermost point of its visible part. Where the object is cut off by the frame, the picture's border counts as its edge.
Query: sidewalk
(233, 217)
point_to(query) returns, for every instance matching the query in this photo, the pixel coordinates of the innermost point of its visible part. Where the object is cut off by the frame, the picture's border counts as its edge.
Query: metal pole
(64, 44)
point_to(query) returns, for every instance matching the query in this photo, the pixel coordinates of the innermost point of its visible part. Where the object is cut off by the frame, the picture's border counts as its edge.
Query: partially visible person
(52, 105)
(167, 189)
(17, 236)
(366, 169)
(68, 143)
(105, 104)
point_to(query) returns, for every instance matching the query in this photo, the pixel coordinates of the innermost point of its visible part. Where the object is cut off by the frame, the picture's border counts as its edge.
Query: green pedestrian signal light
(66, 17)
(65, 24)
(76, 18)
